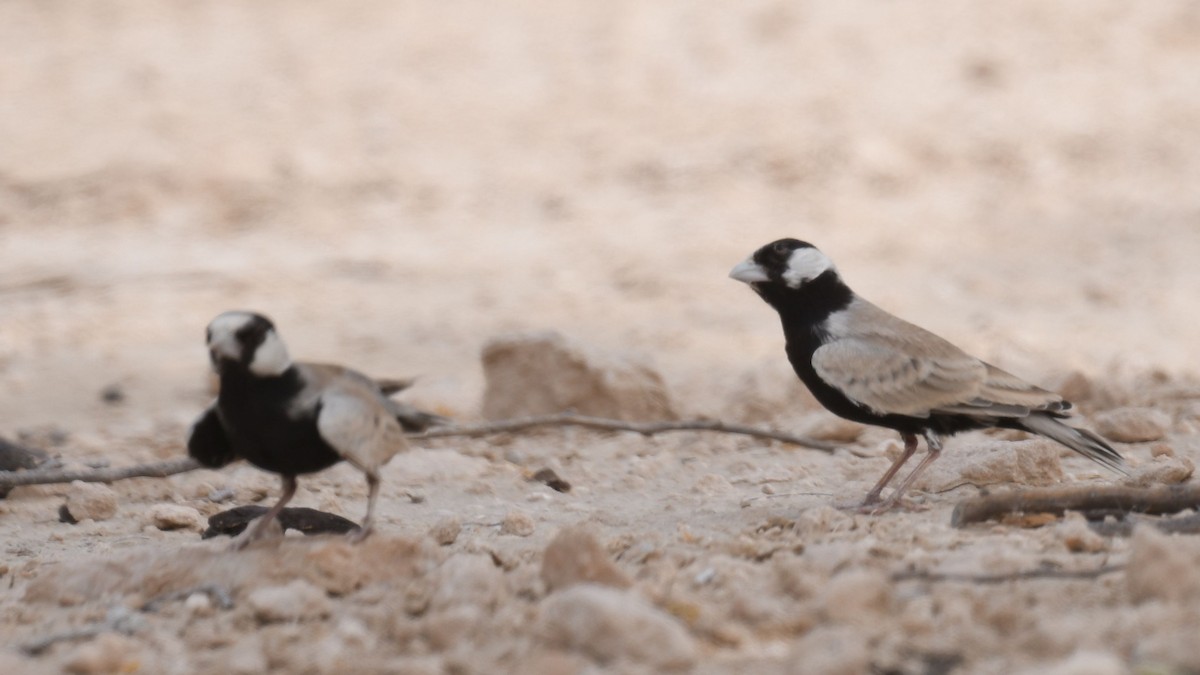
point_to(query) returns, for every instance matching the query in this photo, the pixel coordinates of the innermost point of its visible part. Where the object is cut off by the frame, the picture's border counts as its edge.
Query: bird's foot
(356, 536)
(256, 531)
(877, 506)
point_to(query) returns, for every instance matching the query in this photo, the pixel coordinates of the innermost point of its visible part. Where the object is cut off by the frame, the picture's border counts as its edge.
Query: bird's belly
(282, 445)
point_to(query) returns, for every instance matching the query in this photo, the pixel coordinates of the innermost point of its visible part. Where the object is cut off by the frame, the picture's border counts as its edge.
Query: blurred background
(396, 182)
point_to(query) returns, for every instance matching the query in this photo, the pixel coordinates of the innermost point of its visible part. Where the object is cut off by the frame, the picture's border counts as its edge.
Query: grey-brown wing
(886, 377)
(356, 421)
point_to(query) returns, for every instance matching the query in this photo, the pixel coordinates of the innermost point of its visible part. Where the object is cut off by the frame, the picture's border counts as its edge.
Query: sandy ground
(397, 183)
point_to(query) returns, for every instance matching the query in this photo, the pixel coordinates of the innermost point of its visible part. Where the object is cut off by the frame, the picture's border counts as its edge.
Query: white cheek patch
(805, 264)
(271, 357)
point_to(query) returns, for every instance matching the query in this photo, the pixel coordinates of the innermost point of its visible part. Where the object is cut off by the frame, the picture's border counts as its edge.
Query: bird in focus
(294, 418)
(868, 366)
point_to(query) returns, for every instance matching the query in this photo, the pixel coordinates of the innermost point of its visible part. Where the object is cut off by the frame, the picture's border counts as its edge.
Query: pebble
(446, 531)
(1162, 567)
(544, 372)
(1086, 662)
(1078, 537)
(574, 557)
(1132, 425)
(296, 601)
(857, 596)
(467, 579)
(176, 517)
(91, 500)
(1164, 470)
(108, 653)
(517, 523)
(612, 625)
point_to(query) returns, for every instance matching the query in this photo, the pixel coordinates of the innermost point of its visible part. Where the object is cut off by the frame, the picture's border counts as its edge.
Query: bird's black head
(246, 341)
(788, 272)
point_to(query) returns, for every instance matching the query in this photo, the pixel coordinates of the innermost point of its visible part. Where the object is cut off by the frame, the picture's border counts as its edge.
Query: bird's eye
(781, 247)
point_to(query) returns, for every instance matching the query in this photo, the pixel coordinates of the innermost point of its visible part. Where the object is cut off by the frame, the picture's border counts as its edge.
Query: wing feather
(355, 420)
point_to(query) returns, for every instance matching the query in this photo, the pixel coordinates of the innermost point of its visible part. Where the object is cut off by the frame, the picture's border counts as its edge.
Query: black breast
(266, 427)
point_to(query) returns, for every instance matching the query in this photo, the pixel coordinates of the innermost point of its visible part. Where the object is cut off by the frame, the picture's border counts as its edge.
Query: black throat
(804, 310)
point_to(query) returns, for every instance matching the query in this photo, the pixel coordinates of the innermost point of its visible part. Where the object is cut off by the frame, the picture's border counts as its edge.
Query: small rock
(91, 500)
(1031, 462)
(113, 394)
(1133, 425)
(1162, 567)
(551, 480)
(467, 579)
(1161, 450)
(176, 517)
(820, 520)
(833, 650)
(611, 625)
(198, 604)
(296, 601)
(446, 531)
(574, 557)
(1088, 663)
(108, 653)
(1078, 537)
(857, 595)
(541, 373)
(1164, 470)
(517, 523)
(712, 484)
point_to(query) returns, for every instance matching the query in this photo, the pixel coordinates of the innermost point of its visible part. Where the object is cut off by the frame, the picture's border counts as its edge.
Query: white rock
(91, 500)
(540, 373)
(517, 523)
(1086, 663)
(611, 625)
(467, 579)
(296, 601)
(176, 517)
(1133, 425)
(574, 557)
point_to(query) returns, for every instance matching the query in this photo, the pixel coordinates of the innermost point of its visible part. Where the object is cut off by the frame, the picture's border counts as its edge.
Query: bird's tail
(1086, 443)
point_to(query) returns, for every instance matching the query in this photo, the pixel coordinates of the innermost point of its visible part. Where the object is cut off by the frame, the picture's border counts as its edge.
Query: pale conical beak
(749, 272)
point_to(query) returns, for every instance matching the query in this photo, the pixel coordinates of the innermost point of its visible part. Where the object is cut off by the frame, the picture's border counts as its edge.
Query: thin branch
(1155, 501)
(161, 469)
(9, 479)
(1189, 524)
(118, 620)
(1040, 573)
(643, 428)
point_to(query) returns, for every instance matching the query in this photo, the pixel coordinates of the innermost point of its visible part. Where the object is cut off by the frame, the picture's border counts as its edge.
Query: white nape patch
(749, 272)
(271, 358)
(804, 265)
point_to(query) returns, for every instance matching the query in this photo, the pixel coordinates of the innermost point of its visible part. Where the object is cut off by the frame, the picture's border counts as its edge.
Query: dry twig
(1189, 524)
(1111, 498)
(169, 467)
(643, 428)
(119, 620)
(1039, 573)
(9, 479)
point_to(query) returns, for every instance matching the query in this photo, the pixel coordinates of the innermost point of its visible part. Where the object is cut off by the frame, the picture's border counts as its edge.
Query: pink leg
(289, 491)
(368, 522)
(910, 446)
(935, 450)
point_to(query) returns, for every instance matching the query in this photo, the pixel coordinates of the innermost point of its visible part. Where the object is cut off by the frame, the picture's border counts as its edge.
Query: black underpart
(264, 427)
(233, 522)
(208, 443)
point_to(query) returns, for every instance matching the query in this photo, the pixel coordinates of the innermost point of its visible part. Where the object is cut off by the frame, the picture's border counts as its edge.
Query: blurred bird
(295, 418)
(868, 366)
